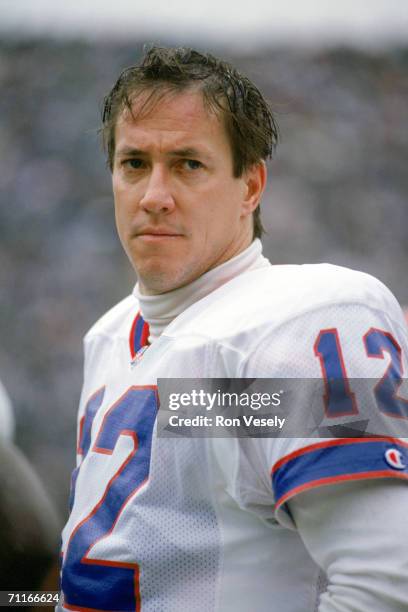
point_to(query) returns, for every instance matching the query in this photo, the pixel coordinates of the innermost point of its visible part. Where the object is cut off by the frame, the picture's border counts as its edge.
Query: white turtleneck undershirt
(160, 310)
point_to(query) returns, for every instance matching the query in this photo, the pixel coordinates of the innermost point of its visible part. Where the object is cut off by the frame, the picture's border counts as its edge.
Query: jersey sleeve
(359, 351)
(358, 537)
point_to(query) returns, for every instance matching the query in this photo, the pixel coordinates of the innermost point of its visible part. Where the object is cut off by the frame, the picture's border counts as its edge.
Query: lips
(155, 232)
(158, 234)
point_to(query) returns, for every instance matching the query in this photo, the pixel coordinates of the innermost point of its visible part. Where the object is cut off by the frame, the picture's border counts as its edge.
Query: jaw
(159, 275)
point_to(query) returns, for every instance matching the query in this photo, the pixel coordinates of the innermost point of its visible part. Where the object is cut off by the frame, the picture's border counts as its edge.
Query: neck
(160, 310)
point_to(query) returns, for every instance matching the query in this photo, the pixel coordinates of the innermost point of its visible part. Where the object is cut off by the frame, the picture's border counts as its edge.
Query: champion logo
(394, 459)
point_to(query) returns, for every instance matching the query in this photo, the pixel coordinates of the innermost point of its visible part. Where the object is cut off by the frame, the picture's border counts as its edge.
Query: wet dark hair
(250, 125)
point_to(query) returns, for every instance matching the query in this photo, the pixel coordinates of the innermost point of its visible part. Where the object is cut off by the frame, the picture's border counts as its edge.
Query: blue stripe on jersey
(138, 333)
(336, 461)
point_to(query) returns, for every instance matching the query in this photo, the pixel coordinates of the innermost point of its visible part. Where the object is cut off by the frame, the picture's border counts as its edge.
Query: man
(260, 524)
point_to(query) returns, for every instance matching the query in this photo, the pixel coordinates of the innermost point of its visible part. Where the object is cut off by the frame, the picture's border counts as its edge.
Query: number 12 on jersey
(96, 583)
(339, 398)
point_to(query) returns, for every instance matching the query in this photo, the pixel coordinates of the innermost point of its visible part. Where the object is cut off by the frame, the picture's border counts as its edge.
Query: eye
(192, 164)
(135, 163)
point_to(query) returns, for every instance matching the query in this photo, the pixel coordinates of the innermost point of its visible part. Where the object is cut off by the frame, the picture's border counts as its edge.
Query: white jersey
(198, 524)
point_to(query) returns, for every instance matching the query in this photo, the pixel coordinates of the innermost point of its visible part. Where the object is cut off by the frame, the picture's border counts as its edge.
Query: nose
(157, 197)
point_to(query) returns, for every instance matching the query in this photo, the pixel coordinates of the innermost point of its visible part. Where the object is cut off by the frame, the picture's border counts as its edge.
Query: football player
(221, 524)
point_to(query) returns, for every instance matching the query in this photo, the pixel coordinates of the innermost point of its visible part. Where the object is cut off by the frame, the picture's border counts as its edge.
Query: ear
(255, 182)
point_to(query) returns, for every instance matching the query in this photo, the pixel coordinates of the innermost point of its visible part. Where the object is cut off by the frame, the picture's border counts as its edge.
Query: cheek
(223, 217)
(120, 225)
(118, 209)
(210, 232)
(122, 202)
(122, 221)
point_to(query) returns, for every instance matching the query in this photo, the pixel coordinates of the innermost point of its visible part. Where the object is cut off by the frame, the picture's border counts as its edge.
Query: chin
(157, 281)
(164, 274)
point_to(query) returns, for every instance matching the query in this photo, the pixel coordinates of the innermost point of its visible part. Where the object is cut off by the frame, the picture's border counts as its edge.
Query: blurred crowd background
(337, 192)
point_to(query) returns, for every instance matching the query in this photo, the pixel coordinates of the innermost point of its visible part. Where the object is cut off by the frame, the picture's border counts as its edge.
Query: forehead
(173, 116)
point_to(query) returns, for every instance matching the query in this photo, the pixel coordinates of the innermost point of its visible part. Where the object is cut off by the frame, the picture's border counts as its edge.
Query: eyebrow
(188, 152)
(129, 151)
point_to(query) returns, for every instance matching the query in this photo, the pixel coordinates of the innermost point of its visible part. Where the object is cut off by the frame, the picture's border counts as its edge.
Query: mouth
(157, 237)
(156, 234)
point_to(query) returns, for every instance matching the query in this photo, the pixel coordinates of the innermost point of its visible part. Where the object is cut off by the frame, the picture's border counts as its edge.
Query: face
(179, 210)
